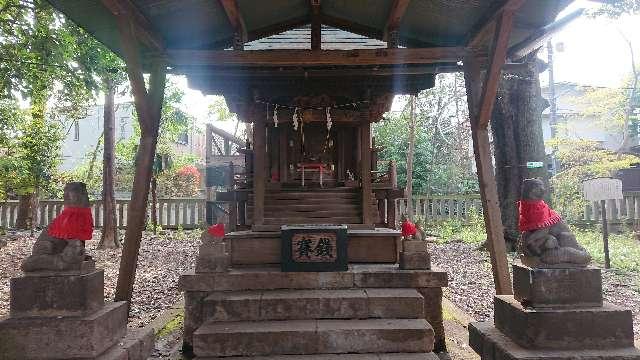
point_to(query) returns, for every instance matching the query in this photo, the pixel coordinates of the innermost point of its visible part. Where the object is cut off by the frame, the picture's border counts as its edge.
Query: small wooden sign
(599, 189)
(603, 189)
(314, 248)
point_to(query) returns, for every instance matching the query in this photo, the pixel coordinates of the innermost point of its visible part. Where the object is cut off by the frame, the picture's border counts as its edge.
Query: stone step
(388, 356)
(272, 278)
(314, 304)
(306, 337)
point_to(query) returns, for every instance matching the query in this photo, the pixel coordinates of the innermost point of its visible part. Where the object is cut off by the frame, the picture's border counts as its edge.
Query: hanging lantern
(329, 122)
(295, 119)
(275, 115)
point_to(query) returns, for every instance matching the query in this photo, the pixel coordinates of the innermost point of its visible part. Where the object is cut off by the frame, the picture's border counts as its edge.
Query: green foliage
(174, 123)
(471, 231)
(581, 160)
(442, 157)
(179, 182)
(30, 153)
(44, 59)
(624, 250)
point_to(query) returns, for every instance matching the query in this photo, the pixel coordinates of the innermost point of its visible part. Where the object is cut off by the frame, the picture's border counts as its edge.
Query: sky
(591, 52)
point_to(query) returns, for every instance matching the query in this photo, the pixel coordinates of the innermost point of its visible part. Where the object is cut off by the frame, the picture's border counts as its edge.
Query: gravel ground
(162, 259)
(471, 282)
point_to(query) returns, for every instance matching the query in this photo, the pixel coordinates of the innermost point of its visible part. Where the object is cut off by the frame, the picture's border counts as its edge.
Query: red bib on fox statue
(408, 229)
(73, 223)
(536, 214)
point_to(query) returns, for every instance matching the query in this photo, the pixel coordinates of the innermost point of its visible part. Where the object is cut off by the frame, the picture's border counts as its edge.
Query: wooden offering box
(314, 247)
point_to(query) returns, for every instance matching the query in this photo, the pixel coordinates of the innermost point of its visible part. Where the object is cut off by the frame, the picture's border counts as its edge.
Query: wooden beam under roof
(398, 8)
(315, 58)
(482, 29)
(237, 22)
(141, 25)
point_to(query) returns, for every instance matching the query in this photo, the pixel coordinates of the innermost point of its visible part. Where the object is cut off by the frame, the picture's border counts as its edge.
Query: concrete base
(57, 295)
(581, 328)
(491, 344)
(63, 337)
(568, 287)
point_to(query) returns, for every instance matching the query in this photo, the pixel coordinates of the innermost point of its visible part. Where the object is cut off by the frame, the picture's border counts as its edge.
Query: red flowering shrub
(184, 182)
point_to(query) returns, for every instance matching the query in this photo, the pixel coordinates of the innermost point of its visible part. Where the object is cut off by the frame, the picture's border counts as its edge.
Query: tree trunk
(517, 139)
(410, 151)
(626, 135)
(27, 205)
(109, 238)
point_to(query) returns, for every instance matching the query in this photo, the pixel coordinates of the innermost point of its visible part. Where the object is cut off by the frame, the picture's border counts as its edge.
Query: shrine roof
(300, 38)
(204, 24)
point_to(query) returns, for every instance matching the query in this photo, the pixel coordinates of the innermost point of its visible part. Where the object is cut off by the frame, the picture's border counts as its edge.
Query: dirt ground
(161, 261)
(471, 282)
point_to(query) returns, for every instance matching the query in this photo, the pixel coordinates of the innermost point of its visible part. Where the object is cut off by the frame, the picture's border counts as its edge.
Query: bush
(183, 182)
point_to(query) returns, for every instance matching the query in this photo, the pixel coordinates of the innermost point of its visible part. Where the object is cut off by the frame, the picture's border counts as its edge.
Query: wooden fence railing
(187, 213)
(625, 210)
(442, 207)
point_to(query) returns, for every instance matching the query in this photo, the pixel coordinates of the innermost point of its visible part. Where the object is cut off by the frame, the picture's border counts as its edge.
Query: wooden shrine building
(312, 76)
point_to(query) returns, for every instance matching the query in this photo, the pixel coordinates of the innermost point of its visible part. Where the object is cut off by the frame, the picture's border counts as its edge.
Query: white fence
(187, 213)
(625, 210)
(442, 207)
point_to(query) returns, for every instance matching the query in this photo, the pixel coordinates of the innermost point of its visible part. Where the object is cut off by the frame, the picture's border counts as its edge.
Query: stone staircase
(338, 205)
(264, 314)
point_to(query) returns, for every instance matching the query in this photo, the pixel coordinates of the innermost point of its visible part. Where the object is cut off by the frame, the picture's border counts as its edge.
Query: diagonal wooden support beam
(482, 29)
(148, 106)
(486, 179)
(398, 8)
(236, 21)
(496, 59)
(143, 29)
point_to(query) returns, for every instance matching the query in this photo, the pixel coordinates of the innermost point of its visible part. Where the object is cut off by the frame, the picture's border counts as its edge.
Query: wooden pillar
(365, 170)
(480, 99)
(316, 25)
(283, 152)
(259, 177)
(148, 106)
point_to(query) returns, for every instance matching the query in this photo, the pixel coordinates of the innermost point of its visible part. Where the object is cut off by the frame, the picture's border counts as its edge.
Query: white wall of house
(572, 121)
(82, 136)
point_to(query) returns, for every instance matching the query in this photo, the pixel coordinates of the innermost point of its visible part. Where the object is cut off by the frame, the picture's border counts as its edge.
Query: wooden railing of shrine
(442, 207)
(185, 213)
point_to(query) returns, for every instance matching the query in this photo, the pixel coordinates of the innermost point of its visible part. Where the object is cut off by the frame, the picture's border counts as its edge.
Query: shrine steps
(311, 206)
(388, 356)
(366, 303)
(313, 337)
(367, 312)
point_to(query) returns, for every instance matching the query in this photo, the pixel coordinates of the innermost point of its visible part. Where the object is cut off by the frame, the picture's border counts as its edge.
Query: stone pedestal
(212, 257)
(64, 316)
(415, 255)
(555, 314)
